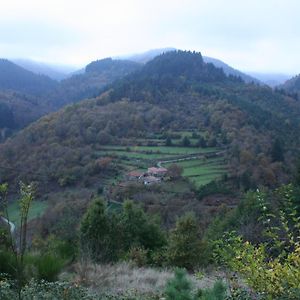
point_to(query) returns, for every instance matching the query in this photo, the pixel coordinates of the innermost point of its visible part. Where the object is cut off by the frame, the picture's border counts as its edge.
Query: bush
(7, 263)
(139, 256)
(108, 236)
(184, 243)
(218, 292)
(179, 287)
(47, 266)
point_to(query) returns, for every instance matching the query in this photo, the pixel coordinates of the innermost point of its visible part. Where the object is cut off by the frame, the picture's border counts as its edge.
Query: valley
(149, 164)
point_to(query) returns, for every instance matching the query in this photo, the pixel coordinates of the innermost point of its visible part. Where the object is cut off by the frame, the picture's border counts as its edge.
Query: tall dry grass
(122, 277)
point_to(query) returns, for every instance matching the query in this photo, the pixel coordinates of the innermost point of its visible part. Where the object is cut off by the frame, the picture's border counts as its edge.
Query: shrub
(217, 292)
(179, 287)
(47, 266)
(184, 243)
(7, 262)
(139, 256)
(109, 236)
(273, 277)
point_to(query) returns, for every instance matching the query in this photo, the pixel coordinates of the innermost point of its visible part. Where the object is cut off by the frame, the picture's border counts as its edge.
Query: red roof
(154, 170)
(135, 174)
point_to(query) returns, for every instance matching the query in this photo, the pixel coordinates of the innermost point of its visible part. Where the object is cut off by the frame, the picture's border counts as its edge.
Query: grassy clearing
(174, 150)
(137, 155)
(161, 150)
(203, 180)
(122, 277)
(202, 171)
(197, 162)
(37, 208)
(198, 171)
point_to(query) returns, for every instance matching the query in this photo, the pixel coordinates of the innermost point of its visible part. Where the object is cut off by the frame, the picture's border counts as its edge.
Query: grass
(37, 208)
(197, 162)
(203, 171)
(199, 170)
(174, 150)
(136, 155)
(122, 277)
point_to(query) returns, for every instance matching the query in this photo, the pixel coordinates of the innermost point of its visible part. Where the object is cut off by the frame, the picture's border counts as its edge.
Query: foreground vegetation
(267, 262)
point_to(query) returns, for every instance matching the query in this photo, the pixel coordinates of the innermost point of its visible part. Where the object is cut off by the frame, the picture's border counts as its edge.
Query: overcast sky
(251, 35)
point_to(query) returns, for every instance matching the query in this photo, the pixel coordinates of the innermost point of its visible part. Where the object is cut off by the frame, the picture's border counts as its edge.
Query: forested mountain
(13, 77)
(18, 110)
(22, 97)
(292, 85)
(257, 127)
(151, 54)
(89, 84)
(27, 96)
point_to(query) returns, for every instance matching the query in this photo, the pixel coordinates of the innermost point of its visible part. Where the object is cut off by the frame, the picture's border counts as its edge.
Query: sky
(250, 35)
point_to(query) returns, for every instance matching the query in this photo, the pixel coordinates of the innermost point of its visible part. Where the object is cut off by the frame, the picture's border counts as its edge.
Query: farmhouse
(157, 172)
(134, 175)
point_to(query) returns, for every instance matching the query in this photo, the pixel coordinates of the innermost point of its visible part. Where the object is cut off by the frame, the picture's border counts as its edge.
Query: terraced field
(200, 165)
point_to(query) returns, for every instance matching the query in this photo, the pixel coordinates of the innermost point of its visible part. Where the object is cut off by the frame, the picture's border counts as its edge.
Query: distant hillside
(271, 79)
(16, 78)
(89, 84)
(292, 85)
(56, 72)
(256, 127)
(229, 70)
(25, 96)
(18, 110)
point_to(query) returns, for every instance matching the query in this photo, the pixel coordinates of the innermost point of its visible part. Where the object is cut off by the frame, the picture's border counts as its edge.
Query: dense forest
(292, 86)
(28, 96)
(176, 91)
(228, 200)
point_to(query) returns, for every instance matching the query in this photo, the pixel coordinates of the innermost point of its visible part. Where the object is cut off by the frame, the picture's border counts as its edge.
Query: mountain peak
(177, 62)
(108, 64)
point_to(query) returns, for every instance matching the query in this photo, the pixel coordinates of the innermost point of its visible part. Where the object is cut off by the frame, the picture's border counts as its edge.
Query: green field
(202, 171)
(156, 150)
(37, 208)
(196, 165)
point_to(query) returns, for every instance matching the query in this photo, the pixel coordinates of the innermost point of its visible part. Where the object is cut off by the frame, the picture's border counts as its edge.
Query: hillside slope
(292, 85)
(228, 70)
(26, 96)
(56, 72)
(174, 92)
(14, 77)
(89, 84)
